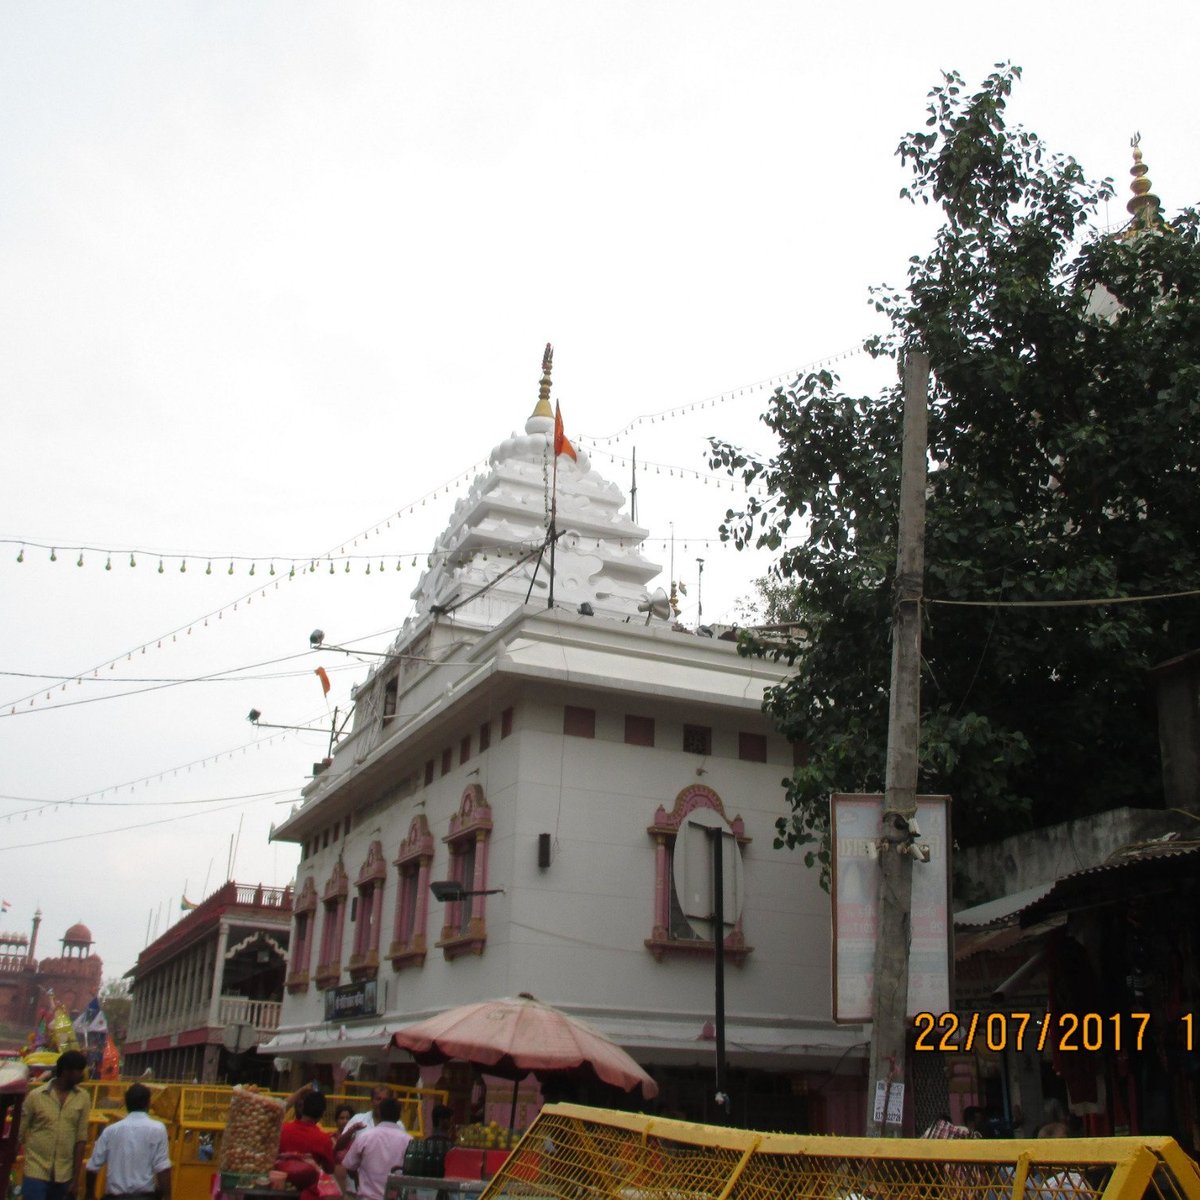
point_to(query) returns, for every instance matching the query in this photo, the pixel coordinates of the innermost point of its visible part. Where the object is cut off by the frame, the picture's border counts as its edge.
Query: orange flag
(561, 445)
(110, 1060)
(324, 678)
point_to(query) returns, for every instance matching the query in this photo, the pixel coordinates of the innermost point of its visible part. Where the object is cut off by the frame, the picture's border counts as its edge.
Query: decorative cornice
(417, 845)
(374, 868)
(306, 901)
(473, 814)
(338, 884)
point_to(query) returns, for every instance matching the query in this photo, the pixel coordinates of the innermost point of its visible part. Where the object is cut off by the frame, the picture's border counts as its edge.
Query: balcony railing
(262, 1014)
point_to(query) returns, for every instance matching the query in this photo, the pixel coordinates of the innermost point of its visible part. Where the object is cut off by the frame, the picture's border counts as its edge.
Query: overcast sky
(276, 272)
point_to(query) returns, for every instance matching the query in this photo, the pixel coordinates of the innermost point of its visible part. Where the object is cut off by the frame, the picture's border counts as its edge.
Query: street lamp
(450, 891)
(255, 719)
(316, 641)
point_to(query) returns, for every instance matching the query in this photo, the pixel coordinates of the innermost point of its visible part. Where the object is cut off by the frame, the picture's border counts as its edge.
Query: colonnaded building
(551, 756)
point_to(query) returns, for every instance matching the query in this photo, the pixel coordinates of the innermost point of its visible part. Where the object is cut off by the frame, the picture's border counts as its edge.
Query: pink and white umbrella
(515, 1036)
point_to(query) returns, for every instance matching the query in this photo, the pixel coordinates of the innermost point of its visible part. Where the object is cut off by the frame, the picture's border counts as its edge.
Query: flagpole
(553, 519)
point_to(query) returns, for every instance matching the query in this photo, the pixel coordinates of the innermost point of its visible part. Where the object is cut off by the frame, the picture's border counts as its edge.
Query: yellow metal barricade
(576, 1153)
(195, 1138)
(413, 1101)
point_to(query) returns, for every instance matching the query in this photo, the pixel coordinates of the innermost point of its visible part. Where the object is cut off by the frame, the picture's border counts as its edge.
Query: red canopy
(515, 1036)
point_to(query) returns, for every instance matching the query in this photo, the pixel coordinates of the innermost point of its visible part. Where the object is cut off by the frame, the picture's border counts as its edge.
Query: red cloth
(305, 1137)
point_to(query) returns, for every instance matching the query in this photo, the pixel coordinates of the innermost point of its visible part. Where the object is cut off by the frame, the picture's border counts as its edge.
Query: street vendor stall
(513, 1038)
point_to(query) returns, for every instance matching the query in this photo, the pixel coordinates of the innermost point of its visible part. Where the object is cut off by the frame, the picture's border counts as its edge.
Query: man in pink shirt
(376, 1152)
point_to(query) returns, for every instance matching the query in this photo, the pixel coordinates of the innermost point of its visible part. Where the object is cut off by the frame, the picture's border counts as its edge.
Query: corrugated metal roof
(1128, 860)
(992, 911)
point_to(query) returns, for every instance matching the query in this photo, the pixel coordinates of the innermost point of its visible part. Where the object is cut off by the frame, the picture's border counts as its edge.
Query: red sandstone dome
(78, 933)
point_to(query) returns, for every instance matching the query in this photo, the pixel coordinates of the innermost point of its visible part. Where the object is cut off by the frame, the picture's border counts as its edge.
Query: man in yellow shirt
(54, 1126)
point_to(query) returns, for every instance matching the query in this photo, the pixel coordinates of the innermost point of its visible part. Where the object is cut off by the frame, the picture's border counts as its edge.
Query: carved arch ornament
(374, 867)
(306, 899)
(257, 936)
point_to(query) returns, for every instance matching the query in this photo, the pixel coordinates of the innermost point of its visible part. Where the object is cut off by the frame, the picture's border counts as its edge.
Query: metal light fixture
(450, 891)
(316, 641)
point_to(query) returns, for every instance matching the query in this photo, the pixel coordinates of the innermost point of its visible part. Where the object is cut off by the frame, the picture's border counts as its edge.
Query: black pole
(715, 837)
(553, 540)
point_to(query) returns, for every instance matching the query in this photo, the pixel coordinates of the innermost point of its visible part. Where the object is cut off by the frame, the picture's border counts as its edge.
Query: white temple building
(551, 757)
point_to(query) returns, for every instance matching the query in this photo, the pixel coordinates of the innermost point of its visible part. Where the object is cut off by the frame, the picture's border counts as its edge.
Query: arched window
(364, 961)
(304, 915)
(412, 895)
(465, 928)
(672, 933)
(333, 901)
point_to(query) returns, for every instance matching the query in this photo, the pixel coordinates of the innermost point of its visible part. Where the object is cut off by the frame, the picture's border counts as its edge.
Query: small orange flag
(561, 445)
(324, 678)
(110, 1060)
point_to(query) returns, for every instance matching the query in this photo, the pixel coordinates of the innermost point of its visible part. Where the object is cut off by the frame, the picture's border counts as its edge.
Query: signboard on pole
(856, 829)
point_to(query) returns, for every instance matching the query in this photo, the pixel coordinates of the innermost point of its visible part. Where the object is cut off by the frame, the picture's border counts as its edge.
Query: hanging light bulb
(347, 566)
(80, 562)
(272, 571)
(183, 571)
(331, 566)
(108, 564)
(368, 568)
(21, 555)
(160, 566)
(251, 568)
(53, 555)
(292, 572)
(132, 560)
(208, 569)
(231, 566)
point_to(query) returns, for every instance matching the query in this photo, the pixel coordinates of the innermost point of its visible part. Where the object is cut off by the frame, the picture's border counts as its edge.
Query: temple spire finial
(1143, 206)
(542, 408)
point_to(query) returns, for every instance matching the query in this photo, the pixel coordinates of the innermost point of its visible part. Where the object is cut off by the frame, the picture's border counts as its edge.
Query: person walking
(356, 1125)
(54, 1125)
(376, 1152)
(134, 1150)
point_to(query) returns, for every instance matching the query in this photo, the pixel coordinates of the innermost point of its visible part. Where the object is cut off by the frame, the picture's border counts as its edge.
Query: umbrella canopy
(514, 1036)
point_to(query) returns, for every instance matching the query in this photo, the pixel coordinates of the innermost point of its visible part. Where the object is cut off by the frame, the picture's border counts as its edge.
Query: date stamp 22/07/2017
(954, 1033)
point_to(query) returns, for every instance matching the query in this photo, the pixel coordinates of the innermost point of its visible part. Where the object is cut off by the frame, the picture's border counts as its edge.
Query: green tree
(1063, 466)
(116, 1002)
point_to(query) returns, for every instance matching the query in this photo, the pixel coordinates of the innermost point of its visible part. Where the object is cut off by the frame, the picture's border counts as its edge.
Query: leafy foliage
(1063, 466)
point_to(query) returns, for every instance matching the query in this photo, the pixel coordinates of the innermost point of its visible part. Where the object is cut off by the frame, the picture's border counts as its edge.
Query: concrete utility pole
(889, 1030)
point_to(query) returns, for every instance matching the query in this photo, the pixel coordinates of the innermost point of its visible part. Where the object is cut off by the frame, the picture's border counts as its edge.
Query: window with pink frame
(333, 901)
(671, 934)
(412, 895)
(304, 913)
(464, 928)
(364, 960)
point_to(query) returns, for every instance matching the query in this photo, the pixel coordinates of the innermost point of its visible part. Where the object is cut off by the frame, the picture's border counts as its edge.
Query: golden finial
(542, 408)
(1143, 206)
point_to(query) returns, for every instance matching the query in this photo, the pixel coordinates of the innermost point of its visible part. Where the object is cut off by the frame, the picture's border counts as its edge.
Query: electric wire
(93, 834)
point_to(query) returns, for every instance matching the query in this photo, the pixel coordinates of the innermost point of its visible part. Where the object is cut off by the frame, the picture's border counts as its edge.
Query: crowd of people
(366, 1148)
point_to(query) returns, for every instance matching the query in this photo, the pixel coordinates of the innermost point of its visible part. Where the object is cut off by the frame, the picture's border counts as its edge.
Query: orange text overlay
(1066, 1032)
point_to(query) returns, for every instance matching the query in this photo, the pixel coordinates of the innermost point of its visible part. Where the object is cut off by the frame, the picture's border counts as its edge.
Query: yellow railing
(576, 1153)
(195, 1117)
